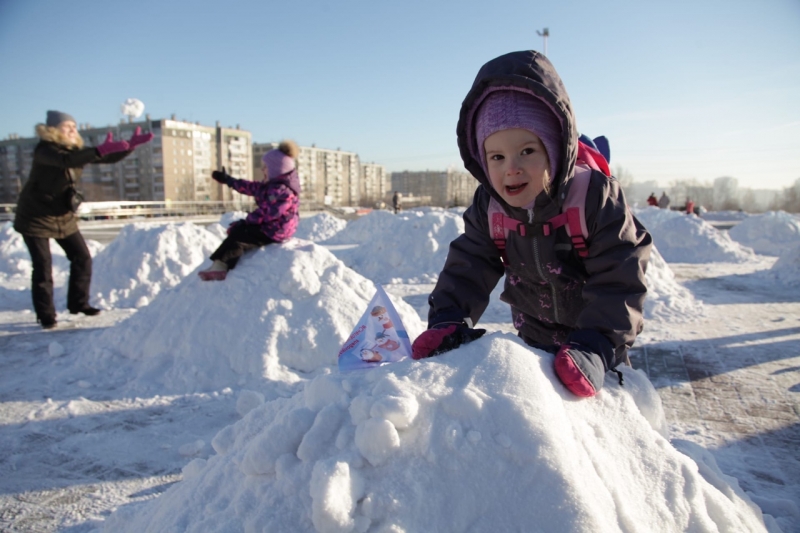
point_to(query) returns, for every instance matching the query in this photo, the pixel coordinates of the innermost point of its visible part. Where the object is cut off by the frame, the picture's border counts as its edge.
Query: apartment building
(16, 158)
(332, 177)
(444, 188)
(176, 165)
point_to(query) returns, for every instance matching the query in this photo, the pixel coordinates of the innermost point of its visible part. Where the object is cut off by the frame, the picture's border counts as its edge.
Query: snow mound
(769, 234)
(284, 310)
(683, 238)
(667, 299)
(145, 259)
(787, 268)
(220, 229)
(319, 227)
(411, 245)
(16, 261)
(14, 257)
(485, 432)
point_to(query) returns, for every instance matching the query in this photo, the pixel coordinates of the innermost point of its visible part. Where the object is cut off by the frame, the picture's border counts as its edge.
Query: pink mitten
(110, 146)
(140, 138)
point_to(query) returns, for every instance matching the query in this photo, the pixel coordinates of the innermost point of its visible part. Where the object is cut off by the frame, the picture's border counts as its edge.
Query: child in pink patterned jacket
(274, 220)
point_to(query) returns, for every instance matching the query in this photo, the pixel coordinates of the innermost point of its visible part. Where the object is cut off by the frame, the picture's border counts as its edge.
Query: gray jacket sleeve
(471, 271)
(619, 250)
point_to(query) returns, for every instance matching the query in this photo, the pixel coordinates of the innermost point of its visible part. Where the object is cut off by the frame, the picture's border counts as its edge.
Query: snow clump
(145, 259)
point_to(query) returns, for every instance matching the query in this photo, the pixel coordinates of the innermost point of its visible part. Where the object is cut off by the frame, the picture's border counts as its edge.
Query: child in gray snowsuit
(518, 138)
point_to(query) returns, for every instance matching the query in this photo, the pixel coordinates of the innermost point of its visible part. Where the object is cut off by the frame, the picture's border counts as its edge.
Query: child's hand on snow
(582, 362)
(443, 338)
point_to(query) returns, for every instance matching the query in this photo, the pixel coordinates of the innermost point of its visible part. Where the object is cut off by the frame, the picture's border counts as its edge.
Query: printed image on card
(378, 338)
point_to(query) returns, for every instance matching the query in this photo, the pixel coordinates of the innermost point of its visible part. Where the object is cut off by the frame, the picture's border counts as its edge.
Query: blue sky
(693, 89)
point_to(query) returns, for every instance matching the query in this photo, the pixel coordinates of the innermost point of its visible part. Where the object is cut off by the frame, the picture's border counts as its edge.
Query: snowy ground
(217, 407)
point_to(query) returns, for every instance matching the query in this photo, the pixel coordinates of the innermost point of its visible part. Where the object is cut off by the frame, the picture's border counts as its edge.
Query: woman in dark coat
(44, 210)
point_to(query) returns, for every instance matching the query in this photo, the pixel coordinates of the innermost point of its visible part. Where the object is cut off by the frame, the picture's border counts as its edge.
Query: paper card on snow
(378, 338)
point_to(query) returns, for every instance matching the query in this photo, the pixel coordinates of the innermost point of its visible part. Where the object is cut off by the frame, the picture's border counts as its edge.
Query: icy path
(70, 457)
(730, 382)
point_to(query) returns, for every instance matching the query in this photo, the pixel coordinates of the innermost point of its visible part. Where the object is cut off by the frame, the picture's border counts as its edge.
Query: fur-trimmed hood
(532, 73)
(54, 135)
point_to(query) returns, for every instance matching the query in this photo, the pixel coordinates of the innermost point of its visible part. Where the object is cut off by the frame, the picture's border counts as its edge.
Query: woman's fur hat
(53, 134)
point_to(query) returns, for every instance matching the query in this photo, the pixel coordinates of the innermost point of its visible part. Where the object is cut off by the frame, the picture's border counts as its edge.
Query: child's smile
(518, 165)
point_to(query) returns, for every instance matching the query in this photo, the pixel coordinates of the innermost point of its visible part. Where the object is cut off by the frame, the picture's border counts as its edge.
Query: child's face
(264, 172)
(518, 165)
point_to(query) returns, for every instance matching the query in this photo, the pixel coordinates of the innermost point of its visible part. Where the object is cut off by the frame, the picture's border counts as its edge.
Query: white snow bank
(285, 309)
(481, 439)
(771, 233)
(667, 299)
(16, 268)
(683, 238)
(16, 261)
(319, 227)
(787, 268)
(220, 229)
(145, 259)
(411, 245)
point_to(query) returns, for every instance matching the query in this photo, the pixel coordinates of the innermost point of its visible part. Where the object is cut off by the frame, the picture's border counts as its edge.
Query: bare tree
(702, 194)
(623, 175)
(726, 194)
(789, 200)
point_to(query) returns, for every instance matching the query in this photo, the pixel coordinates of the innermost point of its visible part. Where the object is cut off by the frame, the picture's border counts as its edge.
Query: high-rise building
(444, 188)
(176, 165)
(332, 177)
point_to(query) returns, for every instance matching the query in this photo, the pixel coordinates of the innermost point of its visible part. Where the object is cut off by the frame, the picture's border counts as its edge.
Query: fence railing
(131, 210)
(128, 209)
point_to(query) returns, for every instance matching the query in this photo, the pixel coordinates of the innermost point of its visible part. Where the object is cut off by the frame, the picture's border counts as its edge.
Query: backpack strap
(573, 216)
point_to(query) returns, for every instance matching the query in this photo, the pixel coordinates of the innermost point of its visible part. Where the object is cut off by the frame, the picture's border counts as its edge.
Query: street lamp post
(544, 34)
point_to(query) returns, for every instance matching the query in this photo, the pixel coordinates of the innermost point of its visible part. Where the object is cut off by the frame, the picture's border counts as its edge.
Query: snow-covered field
(217, 407)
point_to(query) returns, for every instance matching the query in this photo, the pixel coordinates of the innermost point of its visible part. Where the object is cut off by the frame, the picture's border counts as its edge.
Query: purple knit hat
(277, 163)
(507, 109)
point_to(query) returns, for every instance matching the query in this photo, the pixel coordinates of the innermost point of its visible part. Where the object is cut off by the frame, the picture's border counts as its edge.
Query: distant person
(652, 200)
(274, 220)
(664, 201)
(689, 206)
(397, 201)
(46, 210)
(580, 300)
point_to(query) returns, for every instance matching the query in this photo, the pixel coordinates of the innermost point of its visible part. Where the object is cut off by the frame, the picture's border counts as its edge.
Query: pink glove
(443, 338)
(139, 138)
(111, 146)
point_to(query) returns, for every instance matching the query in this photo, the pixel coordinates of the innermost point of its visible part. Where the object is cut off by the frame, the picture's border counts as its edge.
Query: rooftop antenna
(544, 34)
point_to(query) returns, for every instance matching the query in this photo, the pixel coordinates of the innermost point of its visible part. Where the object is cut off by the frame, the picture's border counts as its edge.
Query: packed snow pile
(16, 268)
(319, 227)
(483, 438)
(787, 267)
(16, 261)
(770, 233)
(285, 309)
(220, 229)
(14, 257)
(683, 238)
(667, 299)
(411, 245)
(145, 259)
